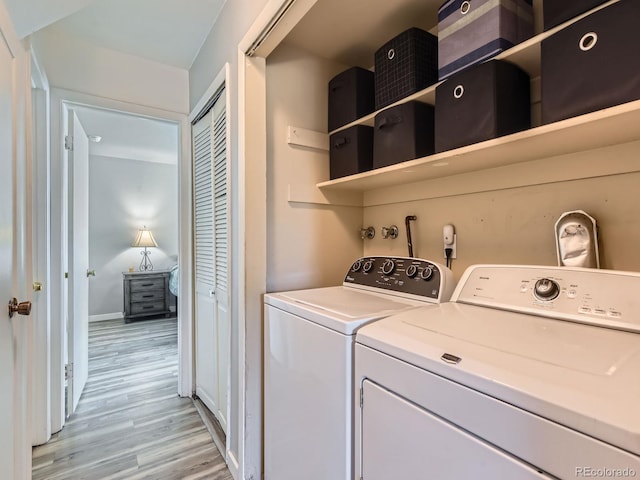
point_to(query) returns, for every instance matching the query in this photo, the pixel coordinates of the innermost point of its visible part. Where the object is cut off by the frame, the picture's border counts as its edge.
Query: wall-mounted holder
(389, 232)
(577, 240)
(368, 232)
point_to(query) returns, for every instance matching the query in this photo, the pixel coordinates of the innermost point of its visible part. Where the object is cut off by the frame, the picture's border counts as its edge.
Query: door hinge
(68, 142)
(66, 274)
(68, 371)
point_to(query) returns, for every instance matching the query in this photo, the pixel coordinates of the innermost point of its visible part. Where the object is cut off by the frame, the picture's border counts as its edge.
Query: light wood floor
(130, 422)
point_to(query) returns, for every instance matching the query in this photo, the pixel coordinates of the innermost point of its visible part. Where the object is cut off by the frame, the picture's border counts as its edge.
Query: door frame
(59, 98)
(41, 236)
(271, 26)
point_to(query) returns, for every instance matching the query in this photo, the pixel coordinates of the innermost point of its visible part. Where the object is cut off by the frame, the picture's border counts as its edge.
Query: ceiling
(130, 137)
(167, 31)
(354, 36)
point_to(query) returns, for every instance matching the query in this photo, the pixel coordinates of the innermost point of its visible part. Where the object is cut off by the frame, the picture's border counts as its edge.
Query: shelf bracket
(307, 138)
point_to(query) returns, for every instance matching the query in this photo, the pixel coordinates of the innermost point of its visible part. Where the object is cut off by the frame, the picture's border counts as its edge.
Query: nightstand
(145, 294)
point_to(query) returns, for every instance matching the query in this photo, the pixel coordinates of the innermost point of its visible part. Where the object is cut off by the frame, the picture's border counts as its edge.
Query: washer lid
(342, 309)
(580, 376)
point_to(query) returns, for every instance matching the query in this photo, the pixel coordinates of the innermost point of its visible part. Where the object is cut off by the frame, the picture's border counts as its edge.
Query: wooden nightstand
(145, 294)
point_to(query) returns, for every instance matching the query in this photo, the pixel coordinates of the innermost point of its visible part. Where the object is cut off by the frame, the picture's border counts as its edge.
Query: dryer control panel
(605, 298)
(411, 277)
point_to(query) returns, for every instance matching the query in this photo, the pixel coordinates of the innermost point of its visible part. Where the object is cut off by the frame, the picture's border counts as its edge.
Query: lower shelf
(611, 126)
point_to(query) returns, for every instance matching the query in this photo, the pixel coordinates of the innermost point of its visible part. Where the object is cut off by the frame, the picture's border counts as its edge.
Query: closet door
(211, 221)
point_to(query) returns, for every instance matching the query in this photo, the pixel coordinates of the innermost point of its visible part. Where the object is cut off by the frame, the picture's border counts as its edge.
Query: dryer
(308, 361)
(528, 373)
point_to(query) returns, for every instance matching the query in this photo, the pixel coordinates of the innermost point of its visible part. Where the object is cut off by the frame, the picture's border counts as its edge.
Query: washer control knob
(411, 271)
(426, 273)
(357, 265)
(368, 265)
(546, 289)
(388, 266)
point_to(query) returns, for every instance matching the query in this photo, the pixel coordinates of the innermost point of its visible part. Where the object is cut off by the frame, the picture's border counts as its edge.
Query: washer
(528, 373)
(308, 364)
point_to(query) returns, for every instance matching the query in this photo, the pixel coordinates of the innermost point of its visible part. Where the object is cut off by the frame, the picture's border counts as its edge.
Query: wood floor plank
(130, 422)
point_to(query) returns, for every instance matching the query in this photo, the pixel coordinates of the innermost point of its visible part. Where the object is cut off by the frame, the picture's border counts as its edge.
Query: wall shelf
(603, 128)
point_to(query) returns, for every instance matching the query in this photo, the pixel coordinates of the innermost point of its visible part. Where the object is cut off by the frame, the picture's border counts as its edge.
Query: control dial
(411, 271)
(426, 273)
(368, 265)
(357, 265)
(388, 266)
(546, 289)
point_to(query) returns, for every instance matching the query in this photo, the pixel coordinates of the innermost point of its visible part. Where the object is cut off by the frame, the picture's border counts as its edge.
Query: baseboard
(215, 430)
(105, 316)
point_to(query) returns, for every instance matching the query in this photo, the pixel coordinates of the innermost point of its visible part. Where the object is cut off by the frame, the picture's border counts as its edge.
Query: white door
(211, 220)
(15, 444)
(77, 145)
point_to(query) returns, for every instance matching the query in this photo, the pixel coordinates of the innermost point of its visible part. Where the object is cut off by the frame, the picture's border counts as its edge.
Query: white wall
(507, 215)
(85, 68)
(220, 48)
(124, 195)
(308, 245)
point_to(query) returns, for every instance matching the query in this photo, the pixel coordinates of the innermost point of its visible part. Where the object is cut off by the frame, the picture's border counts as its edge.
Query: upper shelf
(526, 55)
(598, 129)
(603, 128)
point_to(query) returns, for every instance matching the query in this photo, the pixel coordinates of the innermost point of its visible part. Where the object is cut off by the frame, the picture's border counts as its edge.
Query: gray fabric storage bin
(405, 65)
(483, 102)
(351, 96)
(470, 32)
(592, 64)
(555, 12)
(403, 132)
(350, 151)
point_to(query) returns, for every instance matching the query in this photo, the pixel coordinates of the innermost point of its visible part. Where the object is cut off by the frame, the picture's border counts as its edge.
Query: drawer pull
(148, 307)
(148, 296)
(147, 284)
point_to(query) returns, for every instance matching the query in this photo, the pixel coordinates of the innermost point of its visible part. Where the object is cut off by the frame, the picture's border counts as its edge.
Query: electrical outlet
(449, 239)
(452, 246)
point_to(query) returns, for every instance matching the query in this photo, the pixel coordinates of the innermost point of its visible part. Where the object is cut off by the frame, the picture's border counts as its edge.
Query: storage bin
(350, 151)
(403, 132)
(405, 65)
(483, 102)
(470, 32)
(592, 64)
(555, 12)
(351, 96)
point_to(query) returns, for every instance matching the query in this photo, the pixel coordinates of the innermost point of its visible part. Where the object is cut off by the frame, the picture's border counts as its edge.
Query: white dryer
(528, 373)
(308, 361)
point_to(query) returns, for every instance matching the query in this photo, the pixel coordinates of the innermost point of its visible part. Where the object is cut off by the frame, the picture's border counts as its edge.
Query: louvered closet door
(211, 219)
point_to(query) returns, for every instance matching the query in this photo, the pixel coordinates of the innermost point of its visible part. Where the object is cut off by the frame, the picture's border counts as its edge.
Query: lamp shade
(144, 239)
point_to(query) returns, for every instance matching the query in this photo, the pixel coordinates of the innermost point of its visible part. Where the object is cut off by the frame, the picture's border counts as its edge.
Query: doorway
(173, 241)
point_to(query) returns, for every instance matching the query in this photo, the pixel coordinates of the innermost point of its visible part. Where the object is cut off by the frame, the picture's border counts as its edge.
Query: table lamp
(145, 239)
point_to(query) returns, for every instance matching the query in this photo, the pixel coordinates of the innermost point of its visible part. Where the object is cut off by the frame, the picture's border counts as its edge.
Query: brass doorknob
(91, 273)
(22, 308)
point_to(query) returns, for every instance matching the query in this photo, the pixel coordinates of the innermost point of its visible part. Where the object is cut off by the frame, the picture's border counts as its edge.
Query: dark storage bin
(555, 12)
(350, 151)
(471, 32)
(592, 64)
(405, 65)
(486, 101)
(351, 96)
(403, 132)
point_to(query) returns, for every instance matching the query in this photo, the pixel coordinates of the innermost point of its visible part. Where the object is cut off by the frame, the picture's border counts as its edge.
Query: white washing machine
(528, 373)
(308, 361)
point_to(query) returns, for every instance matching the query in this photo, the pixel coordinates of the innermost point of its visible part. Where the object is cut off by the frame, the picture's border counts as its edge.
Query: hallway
(130, 423)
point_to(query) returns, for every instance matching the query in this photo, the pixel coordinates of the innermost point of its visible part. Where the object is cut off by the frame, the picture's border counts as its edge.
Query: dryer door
(402, 440)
